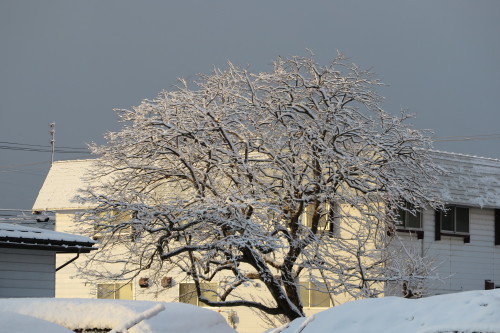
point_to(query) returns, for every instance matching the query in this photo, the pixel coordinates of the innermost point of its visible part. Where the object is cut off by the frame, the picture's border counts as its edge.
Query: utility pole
(52, 140)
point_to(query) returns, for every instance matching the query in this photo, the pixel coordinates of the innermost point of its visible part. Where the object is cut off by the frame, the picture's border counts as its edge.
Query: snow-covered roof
(15, 322)
(19, 236)
(471, 311)
(63, 182)
(468, 180)
(42, 220)
(151, 317)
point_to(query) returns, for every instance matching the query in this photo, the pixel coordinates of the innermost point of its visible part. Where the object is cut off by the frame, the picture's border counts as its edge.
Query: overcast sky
(73, 62)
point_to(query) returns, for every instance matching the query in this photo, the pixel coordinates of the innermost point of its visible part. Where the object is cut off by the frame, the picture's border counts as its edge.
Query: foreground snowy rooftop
(472, 311)
(467, 312)
(151, 317)
(14, 322)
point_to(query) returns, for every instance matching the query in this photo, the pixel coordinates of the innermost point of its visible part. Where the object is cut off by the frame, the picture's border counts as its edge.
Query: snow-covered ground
(151, 317)
(466, 312)
(14, 322)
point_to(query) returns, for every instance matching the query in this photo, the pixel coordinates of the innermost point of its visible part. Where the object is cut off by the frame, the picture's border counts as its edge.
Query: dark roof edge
(46, 247)
(475, 157)
(52, 245)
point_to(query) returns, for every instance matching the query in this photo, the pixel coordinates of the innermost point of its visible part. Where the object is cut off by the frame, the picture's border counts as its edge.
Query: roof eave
(46, 245)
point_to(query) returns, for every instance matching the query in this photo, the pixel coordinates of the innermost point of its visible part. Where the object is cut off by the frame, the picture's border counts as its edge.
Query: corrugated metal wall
(27, 273)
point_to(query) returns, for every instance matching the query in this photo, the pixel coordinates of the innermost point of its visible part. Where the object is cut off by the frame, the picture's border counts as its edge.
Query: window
(455, 219)
(314, 296)
(409, 218)
(187, 293)
(111, 219)
(326, 221)
(114, 290)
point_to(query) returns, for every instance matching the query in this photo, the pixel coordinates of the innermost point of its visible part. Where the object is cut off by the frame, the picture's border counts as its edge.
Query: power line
(479, 137)
(40, 150)
(476, 135)
(17, 146)
(42, 146)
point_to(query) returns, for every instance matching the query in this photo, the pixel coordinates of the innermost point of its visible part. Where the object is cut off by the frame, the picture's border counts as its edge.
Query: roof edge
(464, 155)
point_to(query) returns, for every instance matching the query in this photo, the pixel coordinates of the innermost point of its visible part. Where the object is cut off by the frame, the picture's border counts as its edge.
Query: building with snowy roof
(28, 258)
(463, 241)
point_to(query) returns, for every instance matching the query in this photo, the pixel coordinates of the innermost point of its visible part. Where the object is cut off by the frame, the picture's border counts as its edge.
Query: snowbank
(99, 313)
(14, 322)
(472, 311)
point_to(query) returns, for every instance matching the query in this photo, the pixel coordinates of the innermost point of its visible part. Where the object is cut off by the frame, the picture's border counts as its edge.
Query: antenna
(52, 140)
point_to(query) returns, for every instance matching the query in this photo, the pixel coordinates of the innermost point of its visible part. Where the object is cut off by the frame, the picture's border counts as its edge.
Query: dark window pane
(400, 221)
(331, 219)
(462, 219)
(413, 221)
(448, 219)
(406, 219)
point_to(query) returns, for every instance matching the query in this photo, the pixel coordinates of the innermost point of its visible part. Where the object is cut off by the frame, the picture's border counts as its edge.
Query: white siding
(27, 273)
(464, 266)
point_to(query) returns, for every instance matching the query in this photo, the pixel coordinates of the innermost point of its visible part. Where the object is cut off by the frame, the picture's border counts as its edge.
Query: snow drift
(472, 311)
(115, 314)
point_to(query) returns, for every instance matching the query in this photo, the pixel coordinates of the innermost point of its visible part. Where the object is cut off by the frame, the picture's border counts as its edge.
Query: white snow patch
(114, 314)
(136, 320)
(14, 322)
(472, 311)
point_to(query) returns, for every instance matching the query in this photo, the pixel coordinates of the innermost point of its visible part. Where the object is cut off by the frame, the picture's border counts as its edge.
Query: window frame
(454, 231)
(403, 225)
(117, 217)
(328, 222)
(309, 288)
(117, 287)
(191, 297)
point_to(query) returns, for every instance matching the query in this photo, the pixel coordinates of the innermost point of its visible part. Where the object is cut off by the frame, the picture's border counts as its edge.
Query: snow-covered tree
(267, 177)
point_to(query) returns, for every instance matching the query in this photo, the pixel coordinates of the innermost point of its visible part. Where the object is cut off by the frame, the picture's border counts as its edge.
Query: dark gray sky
(72, 62)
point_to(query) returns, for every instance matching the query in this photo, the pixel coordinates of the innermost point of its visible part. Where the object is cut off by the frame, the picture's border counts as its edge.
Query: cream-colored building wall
(461, 266)
(70, 284)
(468, 180)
